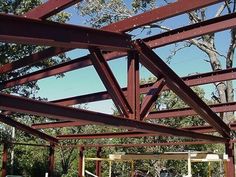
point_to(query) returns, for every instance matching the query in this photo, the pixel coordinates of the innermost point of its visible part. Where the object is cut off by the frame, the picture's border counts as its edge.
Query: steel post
(81, 162)
(98, 163)
(51, 160)
(229, 148)
(4, 160)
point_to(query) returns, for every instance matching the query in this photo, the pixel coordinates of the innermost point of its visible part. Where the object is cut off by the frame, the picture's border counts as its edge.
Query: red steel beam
(151, 97)
(40, 108)
(218, 108)
(110, 82)
(213, 25)
(49, 8)
(198, 79)
(157, 66)
(4, 160)
(156, 14)
(129, 134)
(188, 32)
(140, 145)
(27, 129)
(58, 35)
(135, 134)
(60, 124)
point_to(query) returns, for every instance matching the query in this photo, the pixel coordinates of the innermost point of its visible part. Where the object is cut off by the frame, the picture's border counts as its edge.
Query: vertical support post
(81, 162)
(98, 163)
(132, 168)
(229, 148)
(110, 164)
(133, 88)
(51, 160)
(189, 164)
(4, 160)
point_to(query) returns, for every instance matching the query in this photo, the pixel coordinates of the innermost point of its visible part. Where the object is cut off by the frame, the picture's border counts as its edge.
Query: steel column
(155, 64)
(110, 82)
(98, 163)
(29, 106)
(51, 160)
(4, 160)
(151, 97)
(27, 129)
(80, 162)
(133, 90)
(229, 148)
(58, 35)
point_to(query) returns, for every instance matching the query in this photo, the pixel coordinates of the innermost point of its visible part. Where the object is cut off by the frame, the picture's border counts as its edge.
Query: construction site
(134, 117)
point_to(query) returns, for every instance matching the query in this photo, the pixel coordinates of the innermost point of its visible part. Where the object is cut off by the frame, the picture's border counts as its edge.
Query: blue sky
(86, 80)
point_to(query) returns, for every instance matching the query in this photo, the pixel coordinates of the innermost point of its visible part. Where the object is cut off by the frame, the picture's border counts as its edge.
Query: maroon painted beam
(218, 108)
(32, 59)
(40, 108)
(49, 8)
(158, 14)
(182, 6)
(128, 134)
(140, 145)
(151, 97)
(98, 162)
(133, 88)
(51, 159)
(195, 30)
(213, 25)
(27, 129)
(198, 79)
(110, 82)
(60, 124)
(157, 66)
(80, 162)
(58, 35)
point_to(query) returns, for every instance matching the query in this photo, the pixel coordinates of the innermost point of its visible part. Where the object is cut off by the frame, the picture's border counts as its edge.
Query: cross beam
(29, 106)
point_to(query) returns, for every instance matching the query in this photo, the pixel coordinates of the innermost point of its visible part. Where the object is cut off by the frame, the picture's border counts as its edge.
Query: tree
(103, 12)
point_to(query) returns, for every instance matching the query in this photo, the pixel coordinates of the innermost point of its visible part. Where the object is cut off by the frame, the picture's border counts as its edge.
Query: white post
(83, 167)
(46, 174)
(189, 164)
(109, 168)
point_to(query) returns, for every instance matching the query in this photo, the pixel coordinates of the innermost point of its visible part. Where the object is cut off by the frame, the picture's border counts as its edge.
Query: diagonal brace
(157, 66)
(110, 82)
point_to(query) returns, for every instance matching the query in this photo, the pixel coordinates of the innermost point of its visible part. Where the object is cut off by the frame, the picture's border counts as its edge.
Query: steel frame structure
(105, 44)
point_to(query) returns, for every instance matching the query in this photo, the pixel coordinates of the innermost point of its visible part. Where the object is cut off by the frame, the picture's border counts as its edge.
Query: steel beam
(32, 59)
(151, 97)
(60, 124)
(229, 149)
(188, 32)
(198, 79)
(158, 14)
(81, 162)
(195, 30)
(12, 29)
(110, 82)
(98, 163)
(49, 8)
(40, 108)
(158, 67)
(182, 6)
(140, 145)
(128, 134)
(51, 159)
(133, 90)
(27, 129)
(218, 108)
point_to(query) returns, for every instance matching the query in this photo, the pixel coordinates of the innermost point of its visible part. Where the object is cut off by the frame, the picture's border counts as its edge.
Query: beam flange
(40, 108)
(155, 64)
(12, 29)
(60, 124)
(27, 129)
